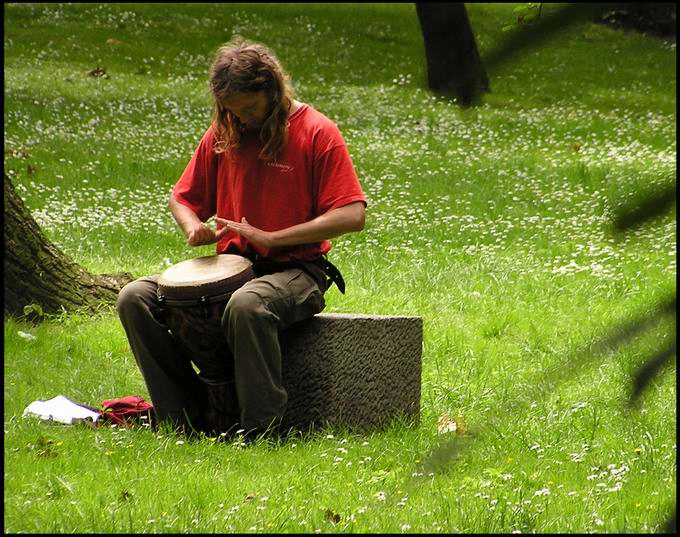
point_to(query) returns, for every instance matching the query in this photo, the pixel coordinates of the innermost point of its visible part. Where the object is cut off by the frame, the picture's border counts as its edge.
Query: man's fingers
(221, 233)
(205, 235)
(232, 223)
(227, 225)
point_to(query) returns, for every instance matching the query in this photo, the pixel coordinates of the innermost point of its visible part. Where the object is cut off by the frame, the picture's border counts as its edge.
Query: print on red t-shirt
(313, 175)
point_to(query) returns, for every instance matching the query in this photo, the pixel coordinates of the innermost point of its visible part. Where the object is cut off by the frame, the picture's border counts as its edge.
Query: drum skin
(213, 276)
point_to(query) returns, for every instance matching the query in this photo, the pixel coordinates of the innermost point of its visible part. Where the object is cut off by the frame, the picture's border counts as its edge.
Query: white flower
(27, 336)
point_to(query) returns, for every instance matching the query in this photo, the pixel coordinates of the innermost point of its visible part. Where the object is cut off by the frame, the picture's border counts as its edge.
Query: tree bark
(454, 67)
(37, 272)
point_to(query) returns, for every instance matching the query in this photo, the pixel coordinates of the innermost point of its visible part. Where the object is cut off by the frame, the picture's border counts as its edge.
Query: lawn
(493, 224)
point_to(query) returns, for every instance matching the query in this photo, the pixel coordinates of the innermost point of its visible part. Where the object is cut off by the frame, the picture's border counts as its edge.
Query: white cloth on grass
(60, 409)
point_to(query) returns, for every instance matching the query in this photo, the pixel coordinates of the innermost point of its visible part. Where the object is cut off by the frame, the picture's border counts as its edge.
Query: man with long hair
(278, 178)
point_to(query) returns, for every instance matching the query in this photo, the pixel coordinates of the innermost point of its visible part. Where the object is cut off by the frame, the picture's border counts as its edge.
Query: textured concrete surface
(352, 370)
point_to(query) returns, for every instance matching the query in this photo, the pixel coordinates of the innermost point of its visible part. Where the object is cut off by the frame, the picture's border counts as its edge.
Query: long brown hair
(247, 67)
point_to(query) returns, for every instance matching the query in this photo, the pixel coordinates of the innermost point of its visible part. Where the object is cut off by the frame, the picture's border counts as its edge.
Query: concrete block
(352, 370)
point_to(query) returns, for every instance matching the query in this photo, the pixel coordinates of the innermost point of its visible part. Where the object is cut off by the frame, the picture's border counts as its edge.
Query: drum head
(203, 270)
(205, 276)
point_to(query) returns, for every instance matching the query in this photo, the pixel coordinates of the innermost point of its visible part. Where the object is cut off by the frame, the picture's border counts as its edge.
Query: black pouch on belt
(332, 272)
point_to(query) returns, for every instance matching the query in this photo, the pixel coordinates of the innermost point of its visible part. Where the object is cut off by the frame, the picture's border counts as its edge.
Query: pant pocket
(306, 298)
(290, 296)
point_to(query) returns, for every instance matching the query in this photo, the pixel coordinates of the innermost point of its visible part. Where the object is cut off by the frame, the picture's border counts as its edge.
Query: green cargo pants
(242, 345)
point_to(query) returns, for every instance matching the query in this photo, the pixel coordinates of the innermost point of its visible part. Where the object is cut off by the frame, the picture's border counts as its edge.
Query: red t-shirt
(313, 175)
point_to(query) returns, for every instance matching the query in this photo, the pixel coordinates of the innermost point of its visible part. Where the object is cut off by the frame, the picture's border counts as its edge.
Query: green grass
(492, 224)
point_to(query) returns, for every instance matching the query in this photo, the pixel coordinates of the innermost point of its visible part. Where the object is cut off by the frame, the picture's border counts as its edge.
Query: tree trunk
(454, 67)
(37, 272)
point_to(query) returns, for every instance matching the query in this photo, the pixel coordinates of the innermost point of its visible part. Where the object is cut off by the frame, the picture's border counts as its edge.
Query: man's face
(250, 108)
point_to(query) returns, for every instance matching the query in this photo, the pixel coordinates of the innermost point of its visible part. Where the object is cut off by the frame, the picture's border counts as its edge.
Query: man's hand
(196, 232)
(203, 234)
(243, 228)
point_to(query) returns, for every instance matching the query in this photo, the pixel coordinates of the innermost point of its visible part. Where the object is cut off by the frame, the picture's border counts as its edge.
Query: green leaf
(35, 309)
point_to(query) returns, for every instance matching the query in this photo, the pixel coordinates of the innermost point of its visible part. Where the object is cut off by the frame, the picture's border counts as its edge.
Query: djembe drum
(194, 294)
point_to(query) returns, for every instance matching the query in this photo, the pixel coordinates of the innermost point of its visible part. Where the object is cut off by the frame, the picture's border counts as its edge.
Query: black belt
(262, 265)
